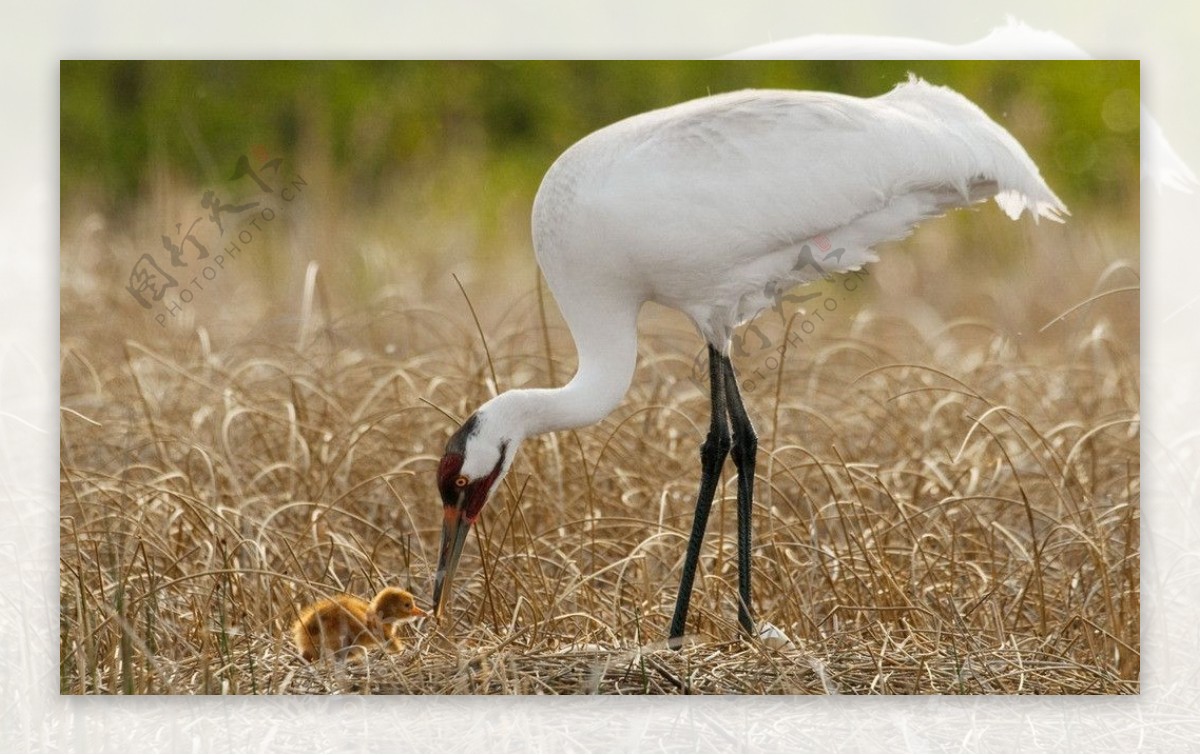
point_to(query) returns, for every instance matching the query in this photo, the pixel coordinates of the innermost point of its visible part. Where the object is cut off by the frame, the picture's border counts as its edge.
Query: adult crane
(715, 207)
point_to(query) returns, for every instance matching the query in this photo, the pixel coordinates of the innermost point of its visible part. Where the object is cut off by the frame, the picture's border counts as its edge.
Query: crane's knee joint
(745, 446)
(716, 446)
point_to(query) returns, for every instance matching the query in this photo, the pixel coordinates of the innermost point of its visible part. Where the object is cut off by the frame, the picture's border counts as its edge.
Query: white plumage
(707, 206)
(715, 207)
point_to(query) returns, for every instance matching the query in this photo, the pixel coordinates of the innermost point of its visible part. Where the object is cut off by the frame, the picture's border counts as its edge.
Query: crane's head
(477, 457)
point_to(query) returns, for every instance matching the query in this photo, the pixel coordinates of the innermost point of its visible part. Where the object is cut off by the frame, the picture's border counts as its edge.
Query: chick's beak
(454, 534)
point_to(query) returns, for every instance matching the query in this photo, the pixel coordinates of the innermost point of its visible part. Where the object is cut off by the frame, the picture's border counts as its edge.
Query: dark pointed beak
(454, 534)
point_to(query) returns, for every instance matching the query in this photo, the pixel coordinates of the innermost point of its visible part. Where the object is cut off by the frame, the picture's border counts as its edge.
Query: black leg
(712, 457)
(745, 447)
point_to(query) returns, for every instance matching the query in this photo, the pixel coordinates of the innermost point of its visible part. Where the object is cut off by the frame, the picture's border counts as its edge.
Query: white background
(34, 36)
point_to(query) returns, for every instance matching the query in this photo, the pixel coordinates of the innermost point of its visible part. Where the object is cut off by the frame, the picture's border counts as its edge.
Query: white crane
(712, 207)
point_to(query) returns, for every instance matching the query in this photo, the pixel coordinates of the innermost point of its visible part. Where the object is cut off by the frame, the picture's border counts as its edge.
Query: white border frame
(1166, 716)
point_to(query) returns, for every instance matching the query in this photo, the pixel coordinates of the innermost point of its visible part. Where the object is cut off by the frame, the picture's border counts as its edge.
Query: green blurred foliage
(126, 125)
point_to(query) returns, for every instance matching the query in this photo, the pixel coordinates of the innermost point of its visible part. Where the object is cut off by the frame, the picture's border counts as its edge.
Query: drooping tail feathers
(984, 158)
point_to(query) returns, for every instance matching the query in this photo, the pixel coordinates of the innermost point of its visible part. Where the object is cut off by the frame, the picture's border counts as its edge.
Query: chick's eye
(460, 481)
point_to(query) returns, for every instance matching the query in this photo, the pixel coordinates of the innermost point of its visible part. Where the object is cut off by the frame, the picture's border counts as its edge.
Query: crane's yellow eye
(460, 481)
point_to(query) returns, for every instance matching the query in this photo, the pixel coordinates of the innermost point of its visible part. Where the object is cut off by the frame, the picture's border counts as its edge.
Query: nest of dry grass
(840, 665)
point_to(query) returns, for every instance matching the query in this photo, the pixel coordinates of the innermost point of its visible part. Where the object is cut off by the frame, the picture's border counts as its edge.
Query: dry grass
(944, 506)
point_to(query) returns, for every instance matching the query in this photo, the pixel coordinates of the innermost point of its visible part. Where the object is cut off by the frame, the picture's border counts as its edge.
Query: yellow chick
(392, 606)
(345, 624)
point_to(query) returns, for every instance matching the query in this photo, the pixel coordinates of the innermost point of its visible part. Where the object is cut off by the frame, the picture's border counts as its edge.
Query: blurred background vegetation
(124, 121)
(414, 162)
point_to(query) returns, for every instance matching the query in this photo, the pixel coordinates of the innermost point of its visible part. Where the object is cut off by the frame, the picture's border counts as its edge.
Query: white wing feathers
(717, 205)
(771, 168)
(979, 152)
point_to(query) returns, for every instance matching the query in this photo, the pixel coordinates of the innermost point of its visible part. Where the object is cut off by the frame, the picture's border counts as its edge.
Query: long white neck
(605, 334)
